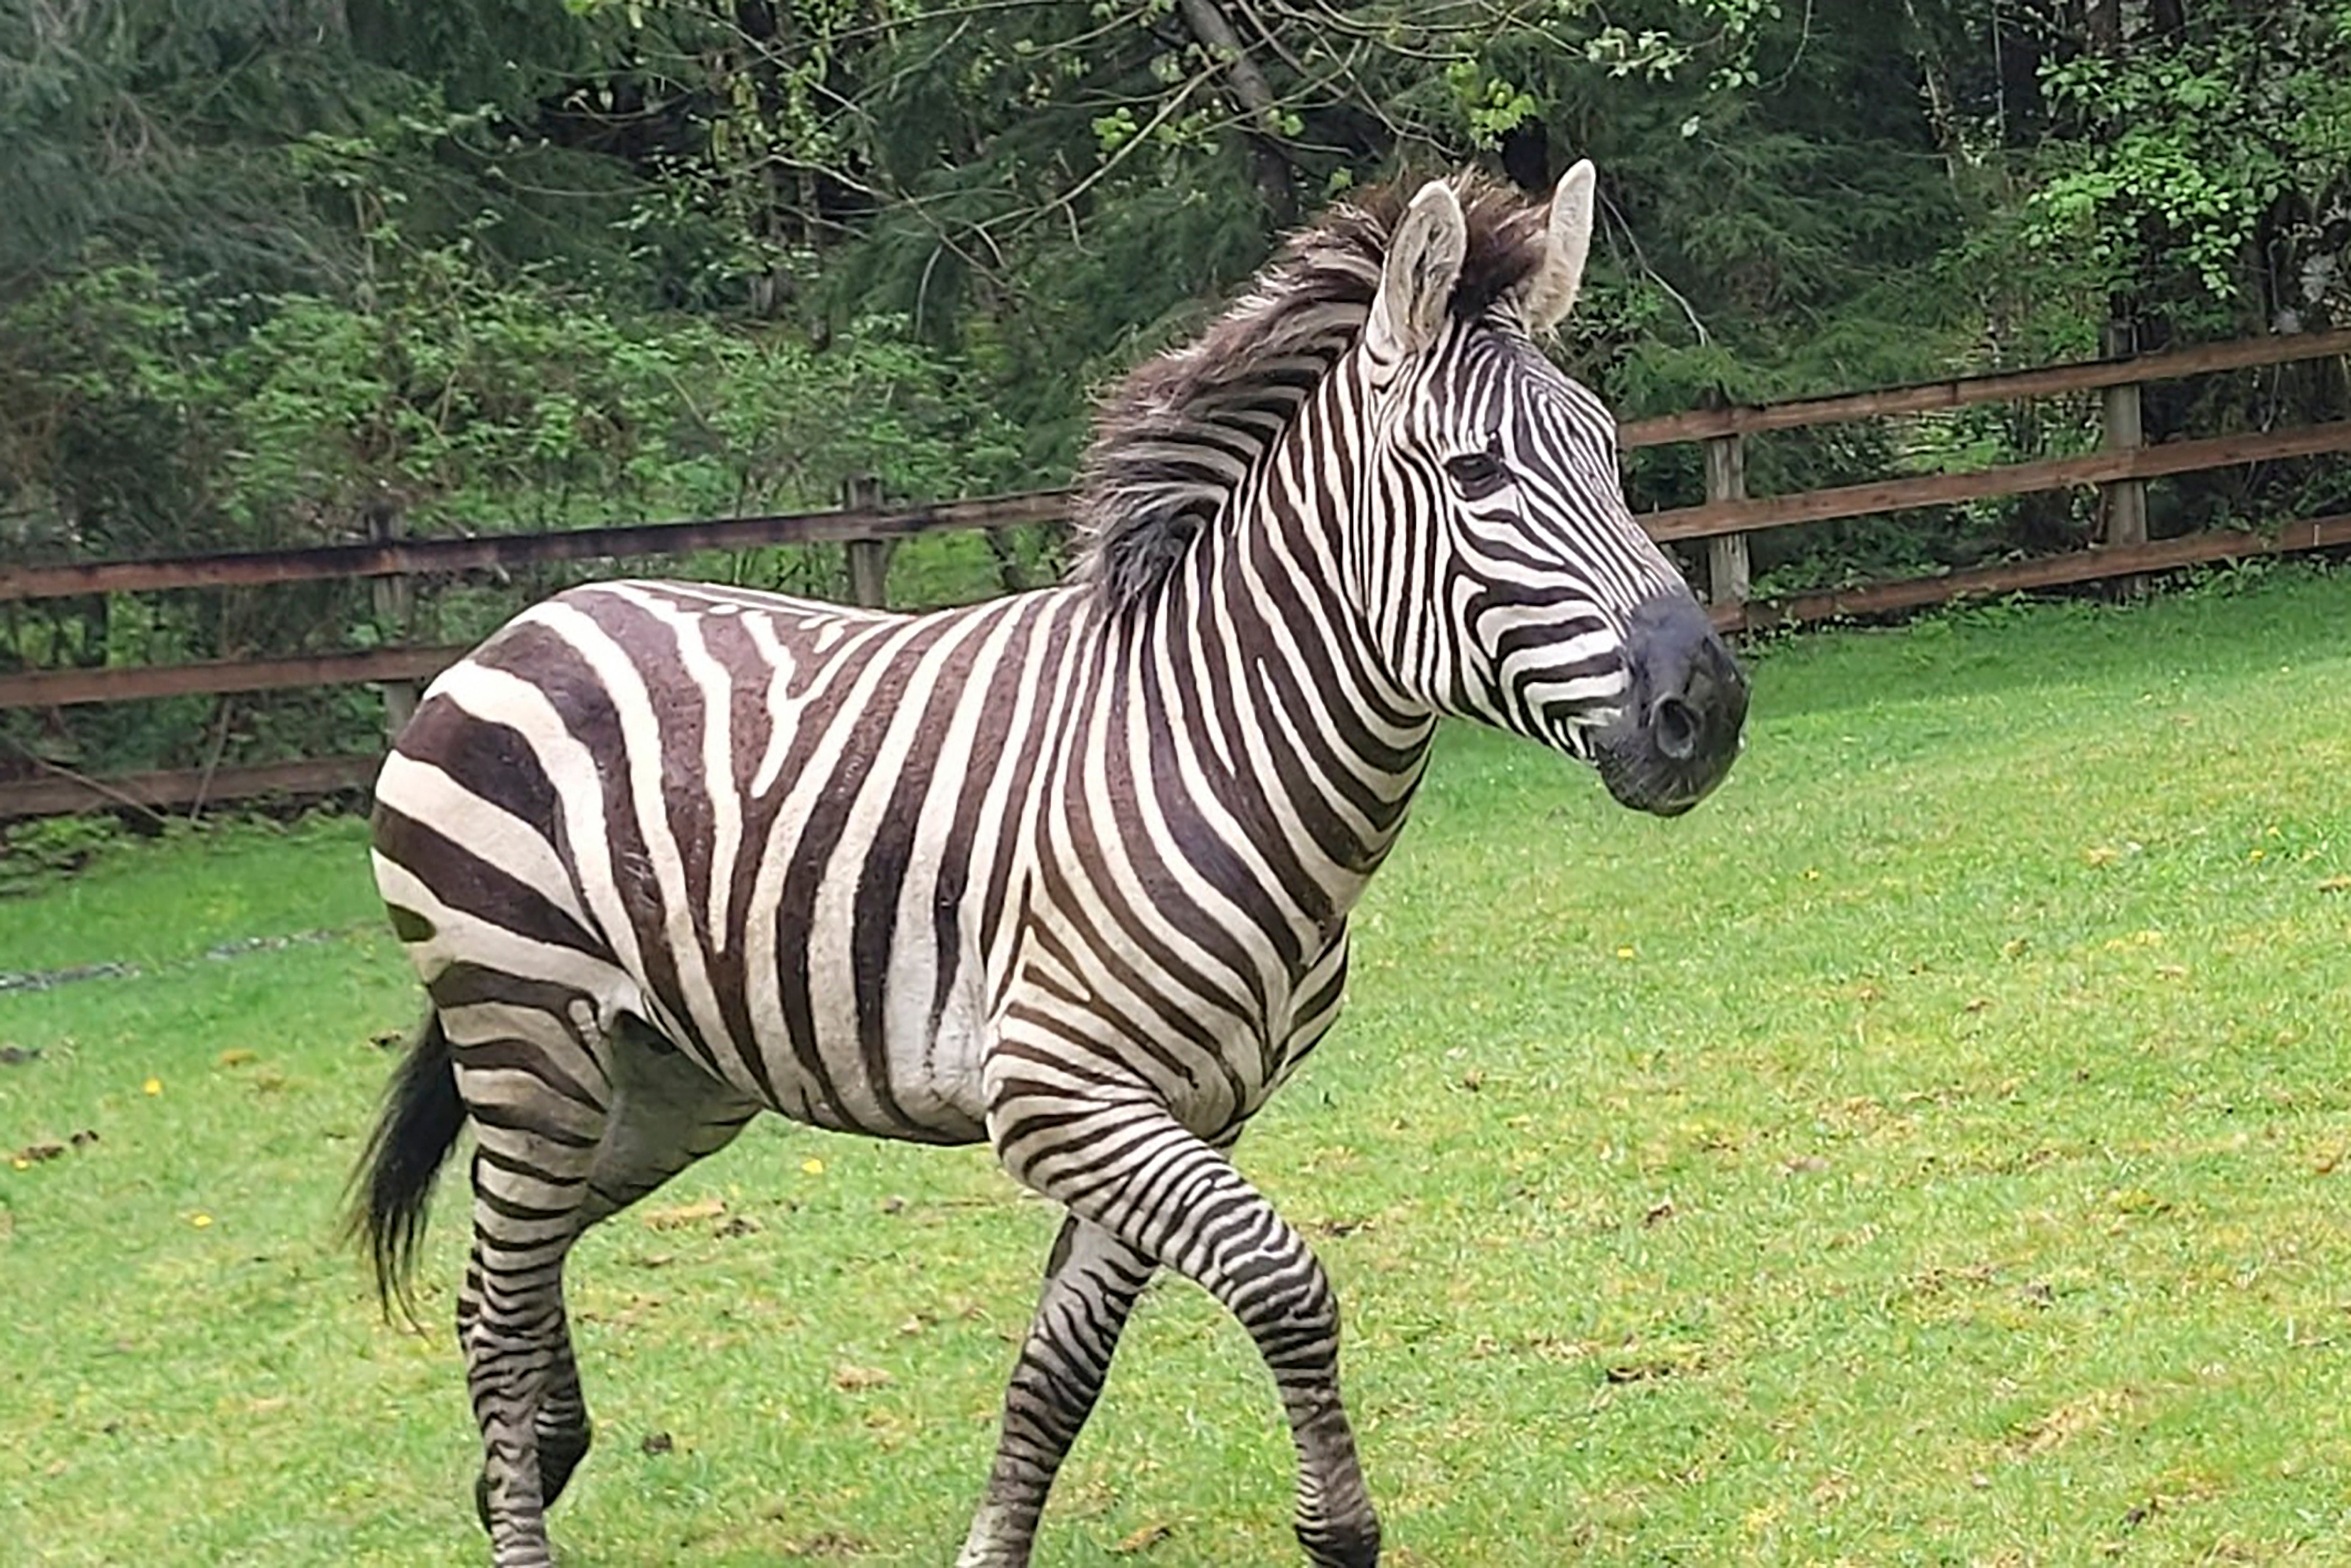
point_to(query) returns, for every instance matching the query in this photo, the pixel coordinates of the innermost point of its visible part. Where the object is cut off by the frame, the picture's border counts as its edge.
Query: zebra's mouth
(1638, 771)
(1645, 778)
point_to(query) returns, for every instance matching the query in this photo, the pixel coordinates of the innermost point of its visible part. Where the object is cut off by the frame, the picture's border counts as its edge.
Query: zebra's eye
(1476, 473)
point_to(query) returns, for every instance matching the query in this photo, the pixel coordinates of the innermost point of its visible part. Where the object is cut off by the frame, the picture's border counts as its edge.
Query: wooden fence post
(394, 599)
(1729, 575)
(869, 560)
(2122, 502)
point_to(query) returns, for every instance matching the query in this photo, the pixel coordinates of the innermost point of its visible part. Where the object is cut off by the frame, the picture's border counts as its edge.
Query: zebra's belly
(909, 1062)
(886, 1043)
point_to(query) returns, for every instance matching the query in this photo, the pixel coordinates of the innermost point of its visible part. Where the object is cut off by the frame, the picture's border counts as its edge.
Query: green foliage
(2209, 145)
(1045, 189)
(2189, 168)
(156, 411)
(487, 402)
(1488, 106)
(147, 411)
(178, 130)
(34, 854)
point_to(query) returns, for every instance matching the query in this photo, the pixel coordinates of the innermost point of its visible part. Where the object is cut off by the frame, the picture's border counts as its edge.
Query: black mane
(1175, 439)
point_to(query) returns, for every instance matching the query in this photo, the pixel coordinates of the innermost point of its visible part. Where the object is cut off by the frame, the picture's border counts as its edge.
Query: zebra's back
(784, 835)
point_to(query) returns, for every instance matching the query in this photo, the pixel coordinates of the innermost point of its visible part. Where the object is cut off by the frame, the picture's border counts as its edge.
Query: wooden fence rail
(422, 558)
(1719, 517)
(2003, 386)
(1723, 521)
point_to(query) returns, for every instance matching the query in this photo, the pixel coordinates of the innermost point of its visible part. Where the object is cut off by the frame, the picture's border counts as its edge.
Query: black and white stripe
(1068, 872)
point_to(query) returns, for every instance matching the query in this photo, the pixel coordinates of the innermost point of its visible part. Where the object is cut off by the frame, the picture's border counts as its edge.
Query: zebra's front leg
(1164, 1193)
(1091, 1281)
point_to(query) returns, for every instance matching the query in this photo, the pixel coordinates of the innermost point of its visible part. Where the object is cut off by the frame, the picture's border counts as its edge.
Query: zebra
(1068, 872)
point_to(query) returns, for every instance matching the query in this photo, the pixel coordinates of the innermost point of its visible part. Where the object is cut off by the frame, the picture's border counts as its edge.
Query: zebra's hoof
(1342, 1545)
(559, 1454)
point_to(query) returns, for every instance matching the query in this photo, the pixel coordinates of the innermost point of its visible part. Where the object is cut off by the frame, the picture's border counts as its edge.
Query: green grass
(1926, 1152)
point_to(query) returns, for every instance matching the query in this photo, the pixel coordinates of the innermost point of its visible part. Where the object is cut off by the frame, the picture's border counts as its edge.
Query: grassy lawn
(1926, 1152)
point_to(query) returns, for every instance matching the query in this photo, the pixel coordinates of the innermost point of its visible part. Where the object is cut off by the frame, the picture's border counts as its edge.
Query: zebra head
(1495, 557)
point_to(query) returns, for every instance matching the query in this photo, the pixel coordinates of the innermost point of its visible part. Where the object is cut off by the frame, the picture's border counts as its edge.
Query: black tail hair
(391, 1187)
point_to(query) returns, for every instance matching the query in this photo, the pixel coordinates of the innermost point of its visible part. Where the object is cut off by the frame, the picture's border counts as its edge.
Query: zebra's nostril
(1675, 726)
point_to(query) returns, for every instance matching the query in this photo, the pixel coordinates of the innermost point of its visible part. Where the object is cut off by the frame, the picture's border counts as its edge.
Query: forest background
(285, 272)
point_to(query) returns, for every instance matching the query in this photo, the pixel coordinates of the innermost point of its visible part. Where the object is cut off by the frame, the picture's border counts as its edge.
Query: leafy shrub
(34, 854)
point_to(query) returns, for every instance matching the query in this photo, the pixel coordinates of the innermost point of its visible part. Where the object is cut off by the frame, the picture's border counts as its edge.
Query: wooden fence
(1725, 521)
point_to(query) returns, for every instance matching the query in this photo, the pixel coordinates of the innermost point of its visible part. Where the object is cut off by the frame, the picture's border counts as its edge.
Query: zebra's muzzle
(1678, 731)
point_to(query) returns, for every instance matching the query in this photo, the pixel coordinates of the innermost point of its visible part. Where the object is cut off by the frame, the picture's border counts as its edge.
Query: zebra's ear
(1424, 263)
(1552, 290)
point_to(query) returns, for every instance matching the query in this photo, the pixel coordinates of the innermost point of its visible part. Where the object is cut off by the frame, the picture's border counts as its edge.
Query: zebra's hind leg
(662, 1112)
(667, 1113)
(1091, 1281)
(1131, 1168)
(560, 1429)
(540, 1099)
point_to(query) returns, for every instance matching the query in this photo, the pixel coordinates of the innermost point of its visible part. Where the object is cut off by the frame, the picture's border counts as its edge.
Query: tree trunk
(1255, 96)
(2102, 27)
(1941, 118)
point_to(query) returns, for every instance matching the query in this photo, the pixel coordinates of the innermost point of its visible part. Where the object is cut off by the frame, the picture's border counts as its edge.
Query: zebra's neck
(1258, 668)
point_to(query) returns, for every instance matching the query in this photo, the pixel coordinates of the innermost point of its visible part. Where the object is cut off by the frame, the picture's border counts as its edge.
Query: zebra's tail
(391, 1187)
